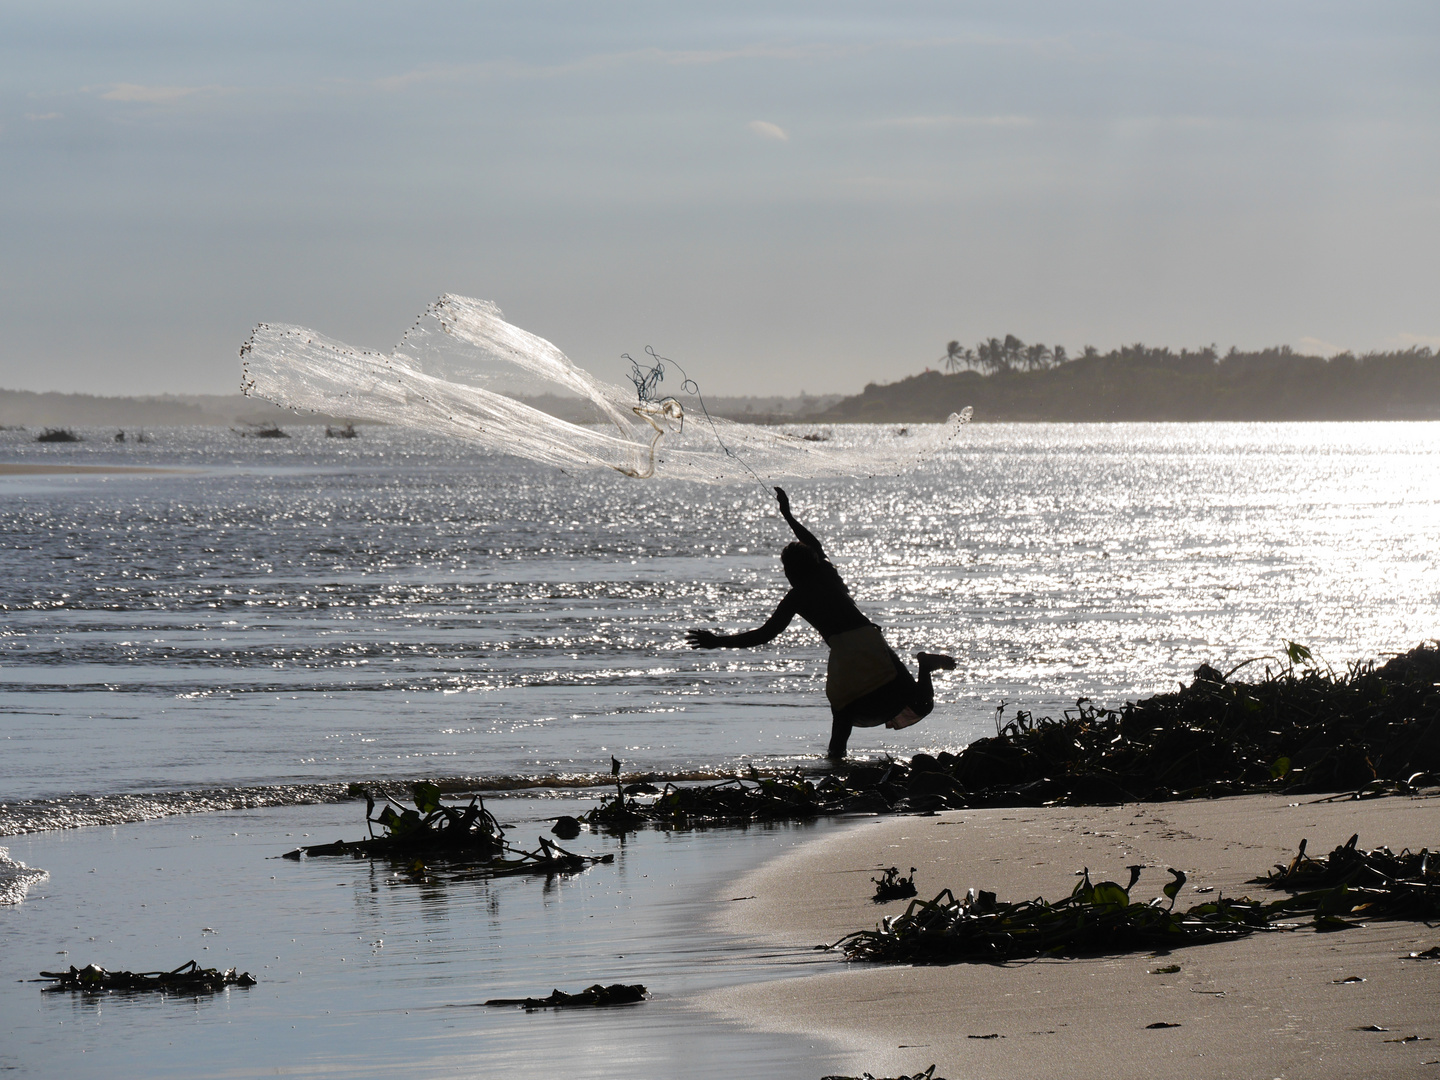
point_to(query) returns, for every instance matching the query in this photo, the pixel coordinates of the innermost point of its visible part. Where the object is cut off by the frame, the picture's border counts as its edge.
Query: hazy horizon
(785, 198)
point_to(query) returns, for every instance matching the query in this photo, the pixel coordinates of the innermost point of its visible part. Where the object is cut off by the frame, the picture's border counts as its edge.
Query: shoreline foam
(1271, 1005)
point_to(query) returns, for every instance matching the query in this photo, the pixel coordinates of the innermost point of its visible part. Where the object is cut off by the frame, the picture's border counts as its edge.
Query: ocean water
(265, 621)
(311, 611)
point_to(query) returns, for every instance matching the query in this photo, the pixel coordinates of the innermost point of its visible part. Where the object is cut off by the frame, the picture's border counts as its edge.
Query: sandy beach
(1272, 1005)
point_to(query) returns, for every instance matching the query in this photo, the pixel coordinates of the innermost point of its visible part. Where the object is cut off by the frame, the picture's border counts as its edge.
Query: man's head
(805, 567)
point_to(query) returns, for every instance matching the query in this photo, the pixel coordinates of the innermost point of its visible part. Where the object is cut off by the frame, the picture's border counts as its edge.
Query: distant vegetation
(51, 434)
(1006, 379)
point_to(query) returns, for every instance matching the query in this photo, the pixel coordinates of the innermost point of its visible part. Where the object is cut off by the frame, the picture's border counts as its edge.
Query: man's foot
(932, 661)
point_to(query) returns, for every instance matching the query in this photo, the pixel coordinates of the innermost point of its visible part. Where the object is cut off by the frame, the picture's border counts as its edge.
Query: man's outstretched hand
(702, 639)
(783, 500)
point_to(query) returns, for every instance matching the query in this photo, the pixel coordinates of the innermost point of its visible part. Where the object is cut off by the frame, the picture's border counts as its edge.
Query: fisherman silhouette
(866, 683)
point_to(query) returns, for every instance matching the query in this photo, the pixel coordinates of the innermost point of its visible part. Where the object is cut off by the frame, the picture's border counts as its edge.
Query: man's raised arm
(804, 535)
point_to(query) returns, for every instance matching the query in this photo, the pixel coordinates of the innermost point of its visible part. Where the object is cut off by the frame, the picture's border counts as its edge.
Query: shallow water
(365, 971)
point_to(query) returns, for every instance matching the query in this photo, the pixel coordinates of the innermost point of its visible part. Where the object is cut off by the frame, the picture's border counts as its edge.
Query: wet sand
(1273, 1005)
(10, 468)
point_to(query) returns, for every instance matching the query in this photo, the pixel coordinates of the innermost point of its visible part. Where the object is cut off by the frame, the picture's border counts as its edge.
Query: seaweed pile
(1103, 919)
(1296, 729)
(1380, 882)
(434, 830)
(926, 1074)
(592, 997)
(893, 887)
(188, 978)
(738, 800)
(1372, 730)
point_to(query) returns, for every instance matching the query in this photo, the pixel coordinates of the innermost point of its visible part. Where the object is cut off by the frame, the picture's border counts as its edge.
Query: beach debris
(1102, 918)
(428, 828)
(1432, 953)
(1378, 884)
(58, 434)
(431, 830)
(1372, 1027)
(187, 978)
(1348, 979)
(344, 431)
(1168, 969)
(1369, 732)
(893, 887)
(1094, 918)
(787, 797)
(566, 827)
(261, 431)
(1160, 1024)
(597, 996)
(924, 1074)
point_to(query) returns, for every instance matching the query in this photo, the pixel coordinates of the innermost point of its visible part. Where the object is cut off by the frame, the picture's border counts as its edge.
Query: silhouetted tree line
(994, 355)
(1006, 379)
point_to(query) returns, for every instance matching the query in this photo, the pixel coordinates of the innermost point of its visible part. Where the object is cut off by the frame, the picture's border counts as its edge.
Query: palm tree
(988, 356)
(954, 356)
(1014, 351)
(1037, 357)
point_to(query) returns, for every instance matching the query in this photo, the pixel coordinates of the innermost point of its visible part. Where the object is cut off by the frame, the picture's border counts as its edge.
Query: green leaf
(1297, 653)
(1109, 892)
(1172, 890)
(1280, 769)
(427, 797)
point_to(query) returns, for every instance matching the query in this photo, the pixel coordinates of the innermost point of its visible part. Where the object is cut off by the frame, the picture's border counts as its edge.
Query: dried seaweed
(894, 887)
(927, 1074)
(1094, 918)
(1382, 884)
(188, 978)
(597, 996)
(434, 830)
(1370, 731)
(1296, 729)
(1103, 919)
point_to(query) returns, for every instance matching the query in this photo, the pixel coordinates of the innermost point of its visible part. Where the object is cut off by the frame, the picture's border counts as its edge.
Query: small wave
(16, 878)
(79, 811)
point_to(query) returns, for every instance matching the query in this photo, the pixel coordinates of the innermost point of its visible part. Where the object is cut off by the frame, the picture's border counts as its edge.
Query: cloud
(44, 116)
(1407, 341)
(151, 95)
(766, 130)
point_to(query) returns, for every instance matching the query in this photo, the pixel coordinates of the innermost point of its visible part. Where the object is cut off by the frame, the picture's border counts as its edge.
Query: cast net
(463, 371)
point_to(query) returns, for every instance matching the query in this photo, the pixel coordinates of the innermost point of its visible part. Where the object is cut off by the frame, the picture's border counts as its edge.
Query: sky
(783, 196)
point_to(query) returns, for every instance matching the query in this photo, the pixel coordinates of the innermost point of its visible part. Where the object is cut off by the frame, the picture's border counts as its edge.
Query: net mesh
(463, 371)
